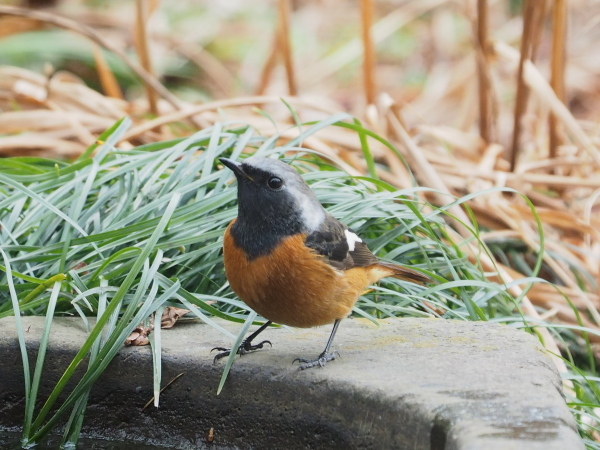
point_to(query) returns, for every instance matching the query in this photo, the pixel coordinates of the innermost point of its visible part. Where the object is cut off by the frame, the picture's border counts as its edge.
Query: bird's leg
(246, 345)
(323, 357)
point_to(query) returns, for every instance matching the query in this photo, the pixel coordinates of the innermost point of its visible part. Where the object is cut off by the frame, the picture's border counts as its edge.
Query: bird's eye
(275, 183)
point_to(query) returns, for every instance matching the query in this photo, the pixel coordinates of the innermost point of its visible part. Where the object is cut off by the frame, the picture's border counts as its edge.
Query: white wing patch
(352, 239)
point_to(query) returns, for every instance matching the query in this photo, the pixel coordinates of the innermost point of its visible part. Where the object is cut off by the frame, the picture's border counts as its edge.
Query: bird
(290, 260)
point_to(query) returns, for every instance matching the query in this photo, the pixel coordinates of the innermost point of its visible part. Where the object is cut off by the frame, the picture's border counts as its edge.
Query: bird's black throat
(262, 224)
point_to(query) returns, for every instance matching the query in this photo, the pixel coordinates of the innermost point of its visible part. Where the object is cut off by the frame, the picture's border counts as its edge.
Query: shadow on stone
(418, 384)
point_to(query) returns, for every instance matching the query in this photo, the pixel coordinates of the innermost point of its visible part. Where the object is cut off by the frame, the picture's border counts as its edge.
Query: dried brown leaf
(139, 336)
(171, 315)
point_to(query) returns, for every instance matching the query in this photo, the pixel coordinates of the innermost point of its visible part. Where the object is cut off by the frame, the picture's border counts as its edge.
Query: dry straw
(519, 126)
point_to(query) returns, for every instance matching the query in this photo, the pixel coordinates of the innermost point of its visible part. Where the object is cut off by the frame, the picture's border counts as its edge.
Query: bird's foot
(320, 361)
(245, 347)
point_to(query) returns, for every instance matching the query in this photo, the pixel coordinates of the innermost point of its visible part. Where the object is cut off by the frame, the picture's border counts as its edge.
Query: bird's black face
(273, 201)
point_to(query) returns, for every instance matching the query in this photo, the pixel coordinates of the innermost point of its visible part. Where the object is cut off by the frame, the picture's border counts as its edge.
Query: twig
(141, 41)
(483, 70)
(529, 8)
(366, 10)
(285, 46)
(109, 83)
(177, 377)
(536, 33)
(557, 77)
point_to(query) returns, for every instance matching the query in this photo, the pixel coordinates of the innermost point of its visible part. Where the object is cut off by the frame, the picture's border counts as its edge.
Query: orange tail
(402, 273)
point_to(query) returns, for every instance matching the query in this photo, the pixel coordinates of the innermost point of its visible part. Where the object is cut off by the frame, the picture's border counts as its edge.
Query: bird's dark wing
(331, 240)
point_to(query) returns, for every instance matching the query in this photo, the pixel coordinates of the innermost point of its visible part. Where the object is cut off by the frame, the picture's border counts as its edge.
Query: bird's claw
(320, 361)
(222, 349)
(245, 347)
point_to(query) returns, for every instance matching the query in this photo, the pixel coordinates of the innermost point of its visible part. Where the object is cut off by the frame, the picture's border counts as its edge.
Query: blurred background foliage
(476, 95)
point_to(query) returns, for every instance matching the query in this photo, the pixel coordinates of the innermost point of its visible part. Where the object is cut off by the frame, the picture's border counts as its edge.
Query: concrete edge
(410, 383)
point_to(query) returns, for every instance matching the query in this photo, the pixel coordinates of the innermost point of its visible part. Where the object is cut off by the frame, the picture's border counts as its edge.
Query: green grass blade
(155, 342)
(20, 334)
(234, 347)
(37, 374)
(123, 289)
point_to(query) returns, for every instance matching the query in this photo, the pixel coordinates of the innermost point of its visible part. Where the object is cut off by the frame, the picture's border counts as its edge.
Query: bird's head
(272, 195)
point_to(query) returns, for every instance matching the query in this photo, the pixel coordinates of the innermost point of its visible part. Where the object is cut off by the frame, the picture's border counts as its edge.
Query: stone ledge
(410, 383)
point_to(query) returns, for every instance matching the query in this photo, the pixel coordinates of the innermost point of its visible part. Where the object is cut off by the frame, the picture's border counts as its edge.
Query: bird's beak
(235, 166)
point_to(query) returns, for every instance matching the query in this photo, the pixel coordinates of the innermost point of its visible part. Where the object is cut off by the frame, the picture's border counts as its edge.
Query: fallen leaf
(139, 336)
(171, 315)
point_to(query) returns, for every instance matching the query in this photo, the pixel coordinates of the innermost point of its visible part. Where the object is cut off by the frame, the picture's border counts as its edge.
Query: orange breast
(293, 285)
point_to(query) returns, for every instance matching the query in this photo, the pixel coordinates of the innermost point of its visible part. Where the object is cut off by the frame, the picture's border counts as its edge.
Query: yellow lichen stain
(425, 344)
(389, 340)
(382, 341)
(462, 340)
(488, 348)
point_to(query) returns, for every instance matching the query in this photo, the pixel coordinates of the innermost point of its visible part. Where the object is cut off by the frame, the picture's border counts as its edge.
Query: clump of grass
(119, 234)
(429, 115)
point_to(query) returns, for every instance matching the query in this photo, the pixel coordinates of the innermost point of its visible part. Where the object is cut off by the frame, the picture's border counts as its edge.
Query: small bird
(290, 260)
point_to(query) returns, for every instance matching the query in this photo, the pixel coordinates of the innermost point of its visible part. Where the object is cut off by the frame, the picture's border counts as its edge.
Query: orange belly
(293, 285)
